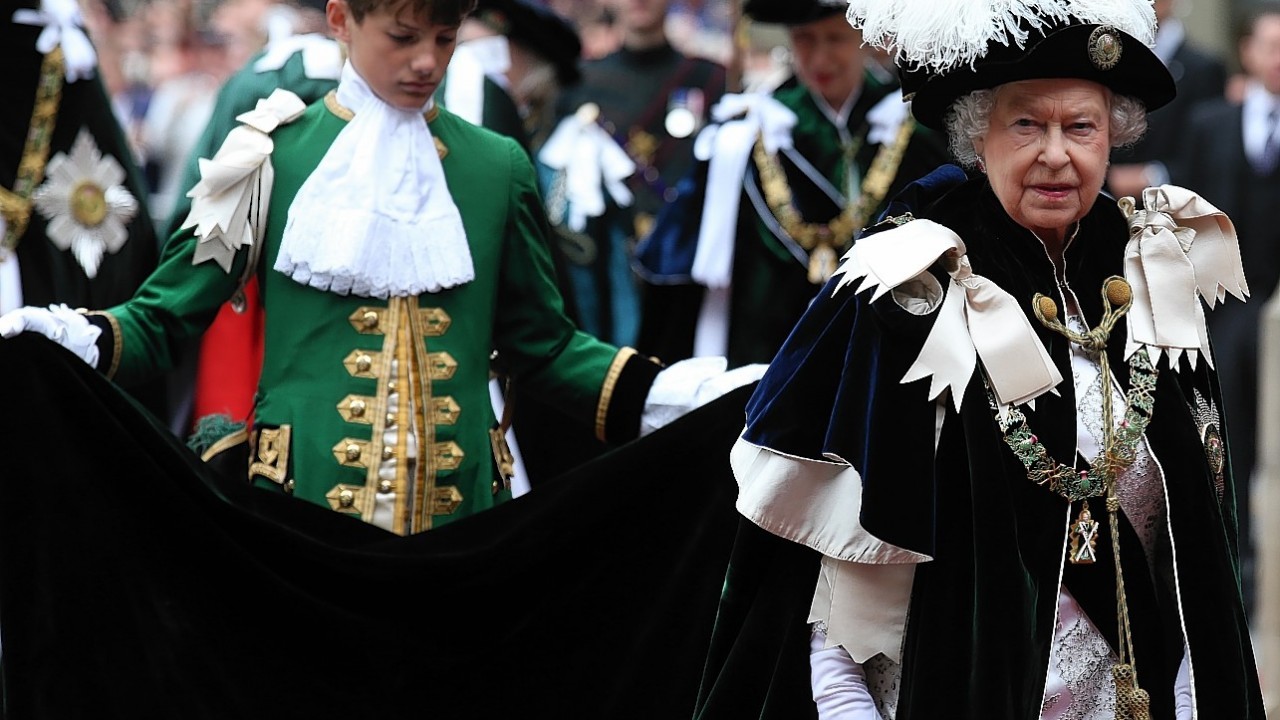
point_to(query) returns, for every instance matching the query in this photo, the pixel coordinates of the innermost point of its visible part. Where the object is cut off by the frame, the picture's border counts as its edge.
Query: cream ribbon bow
(227, 205)
(977, 319)
(1179, 246)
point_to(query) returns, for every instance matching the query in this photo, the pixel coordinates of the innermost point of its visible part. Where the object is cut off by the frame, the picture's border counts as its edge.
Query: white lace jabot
(376, 218)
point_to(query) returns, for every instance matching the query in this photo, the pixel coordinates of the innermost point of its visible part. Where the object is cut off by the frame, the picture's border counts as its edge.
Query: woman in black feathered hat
(1047, 527)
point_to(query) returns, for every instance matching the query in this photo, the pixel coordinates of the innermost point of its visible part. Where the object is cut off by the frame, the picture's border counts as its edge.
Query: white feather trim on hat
(941, 35)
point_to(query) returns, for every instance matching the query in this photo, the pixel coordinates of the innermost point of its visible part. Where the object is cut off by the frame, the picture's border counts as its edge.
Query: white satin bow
(1180, 246)
(234, 183)
(592, 162)
(63, 25)
(977, 319)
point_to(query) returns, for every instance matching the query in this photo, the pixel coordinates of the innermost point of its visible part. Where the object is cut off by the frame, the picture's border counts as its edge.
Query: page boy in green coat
(395, 256)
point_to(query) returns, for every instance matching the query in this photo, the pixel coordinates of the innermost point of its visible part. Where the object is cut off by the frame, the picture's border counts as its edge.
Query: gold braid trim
(15, 204)
(825, 240)
(606, 390)
(117, 342)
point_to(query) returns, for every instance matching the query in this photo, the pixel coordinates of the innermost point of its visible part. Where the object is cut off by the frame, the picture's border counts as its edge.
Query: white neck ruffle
(375, 218)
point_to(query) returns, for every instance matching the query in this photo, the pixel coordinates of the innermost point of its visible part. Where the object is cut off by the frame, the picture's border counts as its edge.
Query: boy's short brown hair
(439, 12)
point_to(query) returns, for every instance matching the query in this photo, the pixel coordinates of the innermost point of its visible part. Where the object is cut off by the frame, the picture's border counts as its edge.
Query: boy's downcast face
(403, 56)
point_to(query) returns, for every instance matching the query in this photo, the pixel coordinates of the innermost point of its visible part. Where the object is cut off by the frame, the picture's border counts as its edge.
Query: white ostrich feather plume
(941, 35)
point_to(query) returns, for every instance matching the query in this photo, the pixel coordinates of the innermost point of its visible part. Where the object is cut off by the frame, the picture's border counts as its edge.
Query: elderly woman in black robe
(998, 426)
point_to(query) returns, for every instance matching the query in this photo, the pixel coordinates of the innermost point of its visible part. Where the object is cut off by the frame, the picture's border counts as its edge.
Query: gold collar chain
(1119, 449)
(824, 241)
(15, 204)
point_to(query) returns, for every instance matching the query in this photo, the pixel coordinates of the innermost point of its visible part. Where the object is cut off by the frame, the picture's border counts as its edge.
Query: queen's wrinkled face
(1046, 150)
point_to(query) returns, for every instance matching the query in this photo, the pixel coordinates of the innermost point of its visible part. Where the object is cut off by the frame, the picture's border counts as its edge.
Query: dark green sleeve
(176, 303)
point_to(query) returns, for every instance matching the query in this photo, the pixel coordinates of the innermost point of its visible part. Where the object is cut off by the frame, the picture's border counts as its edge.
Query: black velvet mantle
(982, 612)
(133, 584)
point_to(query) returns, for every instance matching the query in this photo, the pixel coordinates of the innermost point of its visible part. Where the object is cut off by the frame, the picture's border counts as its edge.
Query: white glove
(690, 384)
(839, 683)
(60, 324)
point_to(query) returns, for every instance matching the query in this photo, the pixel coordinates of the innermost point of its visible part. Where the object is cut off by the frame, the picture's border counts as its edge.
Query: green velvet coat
(321, 408)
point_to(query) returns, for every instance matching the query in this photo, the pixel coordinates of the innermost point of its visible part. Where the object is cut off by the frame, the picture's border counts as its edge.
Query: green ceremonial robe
(323, 427)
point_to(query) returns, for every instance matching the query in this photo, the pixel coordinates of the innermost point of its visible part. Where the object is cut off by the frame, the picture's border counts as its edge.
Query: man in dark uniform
(72, 202)
(652, 100)
(737, 260)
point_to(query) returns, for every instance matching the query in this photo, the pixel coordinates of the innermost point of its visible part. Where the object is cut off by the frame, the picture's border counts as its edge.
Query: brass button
(353, 452)
(364, 363)
(346, 498)
(391, 420)
(388, 452)
(391, 386)
(495, 487)
(367, 320)
(356, 409)
(385, 486)
(288, 486)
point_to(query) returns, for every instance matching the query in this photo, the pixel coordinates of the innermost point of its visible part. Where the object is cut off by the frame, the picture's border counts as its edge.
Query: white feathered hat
(948, 48)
